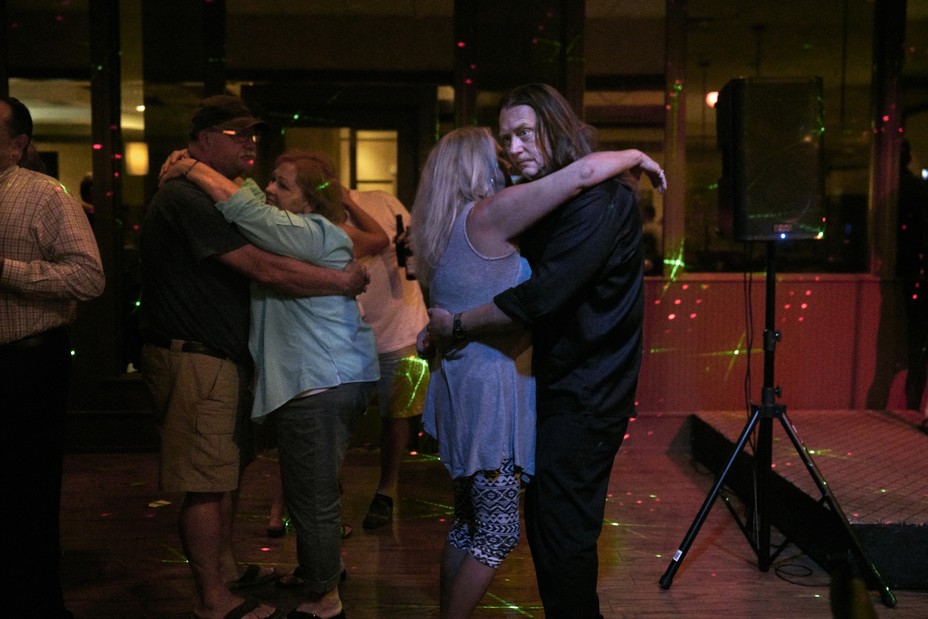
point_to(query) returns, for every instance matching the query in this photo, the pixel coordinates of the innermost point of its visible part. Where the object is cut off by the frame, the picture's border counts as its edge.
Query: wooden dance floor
(122, 557)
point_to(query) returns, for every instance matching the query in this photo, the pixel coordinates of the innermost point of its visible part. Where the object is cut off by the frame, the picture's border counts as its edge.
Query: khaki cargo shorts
(198, 407)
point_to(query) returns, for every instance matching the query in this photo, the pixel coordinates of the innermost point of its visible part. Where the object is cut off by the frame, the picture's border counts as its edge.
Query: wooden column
(888, 39)
(572, 81)
(214, 38)
(675, 136)
(4, 54)
(502, 45)
(98, 334)
(465, 63)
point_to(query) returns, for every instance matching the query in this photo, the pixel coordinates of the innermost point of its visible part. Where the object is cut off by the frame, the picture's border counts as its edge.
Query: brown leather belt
(186, 346)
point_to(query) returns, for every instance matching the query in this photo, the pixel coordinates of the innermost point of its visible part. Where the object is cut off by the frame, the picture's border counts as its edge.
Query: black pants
(564, 507)
(34, 377)
(915, 302)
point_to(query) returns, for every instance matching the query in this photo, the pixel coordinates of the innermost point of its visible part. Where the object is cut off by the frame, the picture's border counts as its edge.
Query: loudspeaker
(770, 132)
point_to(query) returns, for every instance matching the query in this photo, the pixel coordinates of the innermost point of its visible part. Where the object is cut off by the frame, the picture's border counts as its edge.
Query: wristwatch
(457, 329)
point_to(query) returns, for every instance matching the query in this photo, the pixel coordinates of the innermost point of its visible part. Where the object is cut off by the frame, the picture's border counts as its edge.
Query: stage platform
(873, 463)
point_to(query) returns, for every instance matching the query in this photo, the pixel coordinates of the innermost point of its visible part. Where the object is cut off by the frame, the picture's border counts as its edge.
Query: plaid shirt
(50, 255)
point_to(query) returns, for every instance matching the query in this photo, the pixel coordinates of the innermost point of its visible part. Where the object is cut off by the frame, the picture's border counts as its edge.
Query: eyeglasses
(241, 136)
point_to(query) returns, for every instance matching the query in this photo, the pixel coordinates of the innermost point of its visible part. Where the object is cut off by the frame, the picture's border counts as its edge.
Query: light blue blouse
(300, 344)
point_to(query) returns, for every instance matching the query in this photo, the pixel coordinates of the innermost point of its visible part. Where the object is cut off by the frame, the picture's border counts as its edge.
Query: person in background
(584, 304)
(315, 357)
(49, 261)
(196, 268)
(481, 399)
(652, 241)
(394, 307)
(32, 160)
(912, 271)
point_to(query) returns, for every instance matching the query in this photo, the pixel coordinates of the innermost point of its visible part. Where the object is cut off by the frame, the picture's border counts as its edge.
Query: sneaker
(379, 513)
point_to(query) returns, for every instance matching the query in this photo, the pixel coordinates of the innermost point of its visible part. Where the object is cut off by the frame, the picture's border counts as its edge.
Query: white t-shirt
(392, 305)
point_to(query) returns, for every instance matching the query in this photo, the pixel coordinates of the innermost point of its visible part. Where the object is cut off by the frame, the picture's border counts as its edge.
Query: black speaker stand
(762, 418)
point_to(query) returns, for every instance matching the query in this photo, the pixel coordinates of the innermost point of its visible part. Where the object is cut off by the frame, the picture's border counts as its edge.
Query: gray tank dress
(481, 399)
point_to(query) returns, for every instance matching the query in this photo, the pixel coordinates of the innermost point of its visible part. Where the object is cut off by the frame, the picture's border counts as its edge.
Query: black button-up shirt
(584, 303)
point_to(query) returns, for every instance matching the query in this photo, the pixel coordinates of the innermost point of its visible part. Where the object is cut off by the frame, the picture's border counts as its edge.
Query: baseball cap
(226, 111)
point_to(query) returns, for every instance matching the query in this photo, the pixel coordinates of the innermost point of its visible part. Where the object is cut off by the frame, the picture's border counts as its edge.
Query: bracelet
(458, 333)
(195, 162)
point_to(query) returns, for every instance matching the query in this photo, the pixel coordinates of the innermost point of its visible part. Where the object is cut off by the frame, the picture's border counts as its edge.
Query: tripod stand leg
(667, 578)
(764, 456)
(886, 595)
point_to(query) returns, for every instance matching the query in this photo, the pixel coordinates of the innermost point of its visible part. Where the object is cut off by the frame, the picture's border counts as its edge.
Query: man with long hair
(584, 304)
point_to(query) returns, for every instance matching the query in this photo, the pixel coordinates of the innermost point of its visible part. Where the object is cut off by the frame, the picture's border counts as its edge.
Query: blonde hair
(319, 187)
(459, 170)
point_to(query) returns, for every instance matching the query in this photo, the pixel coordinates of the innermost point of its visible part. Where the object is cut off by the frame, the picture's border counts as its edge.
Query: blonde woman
(481, 399)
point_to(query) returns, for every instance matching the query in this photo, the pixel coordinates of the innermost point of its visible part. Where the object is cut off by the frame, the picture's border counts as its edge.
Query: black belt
(39, 339)
(186, 346)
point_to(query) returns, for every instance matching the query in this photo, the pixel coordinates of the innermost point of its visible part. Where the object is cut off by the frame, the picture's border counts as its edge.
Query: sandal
(299, 614)
(252, 577)
(245, 608)
(379, 513)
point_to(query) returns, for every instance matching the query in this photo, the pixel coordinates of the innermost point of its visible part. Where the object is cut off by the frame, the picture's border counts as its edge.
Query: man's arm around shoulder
(292, 277)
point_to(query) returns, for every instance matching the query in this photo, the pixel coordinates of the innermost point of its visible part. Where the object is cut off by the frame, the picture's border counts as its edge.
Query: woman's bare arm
(368, 237)
(217, 186)
(502, 217)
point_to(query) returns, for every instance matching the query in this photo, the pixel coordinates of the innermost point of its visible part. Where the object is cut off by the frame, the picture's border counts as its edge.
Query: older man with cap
(196, 270)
